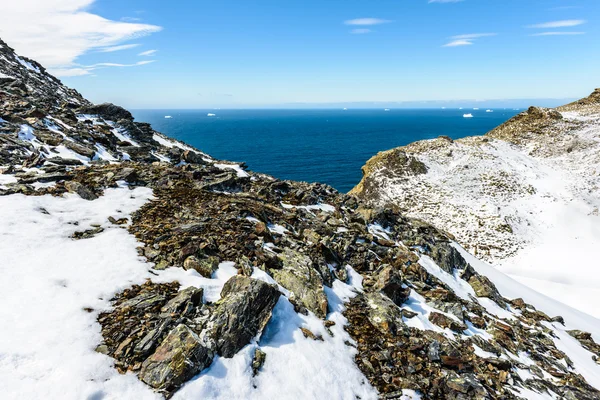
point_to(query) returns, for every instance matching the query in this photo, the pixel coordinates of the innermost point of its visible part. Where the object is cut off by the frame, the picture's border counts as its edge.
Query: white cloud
(558, 33)
(360, 31)
(471, 36)
(87, 69)
(466, 39)
(366, 21)
(110, 49)
(460, 42)
(559, 24)
(57, 32)
(148, 53)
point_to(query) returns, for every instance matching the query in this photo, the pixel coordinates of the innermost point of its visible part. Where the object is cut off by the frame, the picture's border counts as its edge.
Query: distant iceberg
(211, 115)
(476, 108)
(489, 110)
(168, 117)
(467, 115)
(387, 109)
(344, 109)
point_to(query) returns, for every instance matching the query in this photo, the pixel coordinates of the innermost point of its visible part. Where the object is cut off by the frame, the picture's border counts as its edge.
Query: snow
(510, 288)
(6, 179)
(26, 133)
(27, 64)
(4, 76)
(50, 278)
(315, 207)
(296, 367)
(47, 280)
(532, 211)
(240, 172)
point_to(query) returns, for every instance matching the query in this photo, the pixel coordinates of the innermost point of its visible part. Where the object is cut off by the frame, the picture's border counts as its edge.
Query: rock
(258, 361)
(204, 266)
(384, 314)
(190, 296)
(128, 175)
(108, 111)
(192, 157)
(447, 257)
(80, 149)
(389, 282)
(83, 191)
(444, 321)
(299, 277)
(465, 384)
(483, 287)
(179, 357)
(244, 309)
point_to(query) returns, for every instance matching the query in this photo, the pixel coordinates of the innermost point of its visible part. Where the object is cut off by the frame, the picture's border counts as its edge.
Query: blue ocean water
(328, 146)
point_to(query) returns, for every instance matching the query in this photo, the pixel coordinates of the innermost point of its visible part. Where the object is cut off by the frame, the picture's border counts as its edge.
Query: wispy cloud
(58, 32)
(460, 42)
(360, 31)
(110, 49)
(566, 23)
(466, 39)
(148, 53)
(558, 33)
(82, 70)
(367, 21)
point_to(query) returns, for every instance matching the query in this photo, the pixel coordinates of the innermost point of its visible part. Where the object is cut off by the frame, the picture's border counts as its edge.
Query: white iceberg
(168, 117)
(489, 110)
(467, 115)
(211, 115)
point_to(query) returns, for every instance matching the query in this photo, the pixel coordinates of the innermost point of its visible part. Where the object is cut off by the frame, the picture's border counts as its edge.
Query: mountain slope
(523, 197)
(134, 266)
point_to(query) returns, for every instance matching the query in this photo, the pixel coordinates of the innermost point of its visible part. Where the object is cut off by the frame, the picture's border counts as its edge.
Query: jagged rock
(80, 149)
(192, 157)
(83, 191)
(108, 111)
(242, 313)
(205, 266)
(389, 281)
(179, 357)
(190, 297)
(444, 321)
(298, 276)
(258, 361)
(384, 314)
(465, 384)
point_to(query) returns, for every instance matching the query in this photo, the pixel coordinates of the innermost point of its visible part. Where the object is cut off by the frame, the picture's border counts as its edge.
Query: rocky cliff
(135, 266)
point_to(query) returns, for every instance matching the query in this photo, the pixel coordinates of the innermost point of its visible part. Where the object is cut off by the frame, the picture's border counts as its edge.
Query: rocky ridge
(443, 329)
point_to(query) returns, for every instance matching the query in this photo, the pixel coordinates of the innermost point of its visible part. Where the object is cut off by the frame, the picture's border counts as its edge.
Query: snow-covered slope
(134, 266)
(524, 197)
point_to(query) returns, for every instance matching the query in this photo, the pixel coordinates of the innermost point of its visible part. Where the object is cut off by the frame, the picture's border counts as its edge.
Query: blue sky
(236, 53)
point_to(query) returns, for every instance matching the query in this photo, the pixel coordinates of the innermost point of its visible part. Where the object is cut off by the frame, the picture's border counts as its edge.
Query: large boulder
(384, 315)
(244, 309)
(180, 356)
(303, 281)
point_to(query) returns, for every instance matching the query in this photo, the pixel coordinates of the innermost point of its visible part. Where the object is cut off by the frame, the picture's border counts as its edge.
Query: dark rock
(83, 191)
(179, 357)
(242, 313)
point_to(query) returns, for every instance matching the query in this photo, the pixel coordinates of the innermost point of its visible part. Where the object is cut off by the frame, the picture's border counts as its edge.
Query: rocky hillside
(135, 266)
(511, 197)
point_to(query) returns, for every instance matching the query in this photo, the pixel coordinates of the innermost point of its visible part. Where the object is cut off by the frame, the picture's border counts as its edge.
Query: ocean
(328, 146)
